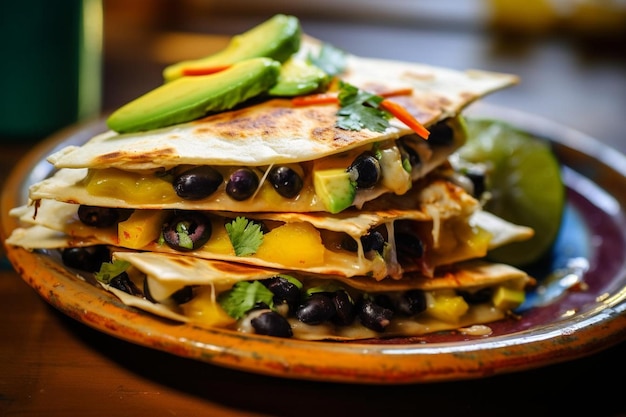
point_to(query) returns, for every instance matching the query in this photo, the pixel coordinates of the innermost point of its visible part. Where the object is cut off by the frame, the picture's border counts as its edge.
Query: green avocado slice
(335, 188)
(297, 77)
(189, 98)
(277, 38)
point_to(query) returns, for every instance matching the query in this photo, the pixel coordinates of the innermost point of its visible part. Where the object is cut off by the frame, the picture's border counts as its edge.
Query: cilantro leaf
(244, 296)
(359, 110)
(184, 240)
(246, 236)
(109, 270)
(330, 59)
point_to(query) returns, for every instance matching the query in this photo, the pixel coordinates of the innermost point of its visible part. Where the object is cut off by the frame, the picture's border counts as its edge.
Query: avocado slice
(335, 188)
(299, 76)
(277, 38)
(189, 98)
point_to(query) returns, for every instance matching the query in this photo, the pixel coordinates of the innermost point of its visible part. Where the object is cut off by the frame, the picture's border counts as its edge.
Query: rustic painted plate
(563, 324)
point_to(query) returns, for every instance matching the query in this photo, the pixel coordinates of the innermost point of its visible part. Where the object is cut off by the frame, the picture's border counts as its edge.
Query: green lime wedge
(524, 182)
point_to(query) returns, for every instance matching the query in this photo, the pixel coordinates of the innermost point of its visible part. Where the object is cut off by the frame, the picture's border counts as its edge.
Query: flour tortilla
(169, 273)
(126, 190)
(275, 131)
(271, 132)
(446, 216)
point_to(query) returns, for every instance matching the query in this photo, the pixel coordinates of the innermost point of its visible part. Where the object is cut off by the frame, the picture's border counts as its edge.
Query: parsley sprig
(246, 236)
(359, 110)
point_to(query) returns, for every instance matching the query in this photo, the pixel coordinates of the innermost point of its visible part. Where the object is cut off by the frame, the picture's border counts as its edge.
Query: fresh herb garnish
(359, 110)
(246, 236)
(184, 240)
(109, 270)
(327, 287)
(330, 59)
(244, 296)
(291, 279)
(406, 164)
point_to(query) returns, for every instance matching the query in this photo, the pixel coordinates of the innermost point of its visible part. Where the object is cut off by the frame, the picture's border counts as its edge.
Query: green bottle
(50, 75)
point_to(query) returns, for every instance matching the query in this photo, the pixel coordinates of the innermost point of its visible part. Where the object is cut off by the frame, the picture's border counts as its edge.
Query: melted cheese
(205, 309)
(112, 187)
(457, 239)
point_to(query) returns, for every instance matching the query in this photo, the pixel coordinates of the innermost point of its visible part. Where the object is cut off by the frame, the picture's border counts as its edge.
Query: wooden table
(51, 365)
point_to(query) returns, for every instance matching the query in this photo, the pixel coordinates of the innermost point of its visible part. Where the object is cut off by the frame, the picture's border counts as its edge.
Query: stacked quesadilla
(315, 213)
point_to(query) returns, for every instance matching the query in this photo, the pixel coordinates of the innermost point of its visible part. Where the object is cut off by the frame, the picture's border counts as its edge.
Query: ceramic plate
(580, 308)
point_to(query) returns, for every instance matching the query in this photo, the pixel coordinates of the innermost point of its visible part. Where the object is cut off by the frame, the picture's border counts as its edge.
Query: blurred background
(568, 53)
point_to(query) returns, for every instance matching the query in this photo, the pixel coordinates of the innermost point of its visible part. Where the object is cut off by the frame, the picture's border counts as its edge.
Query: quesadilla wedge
(207, 193)
(279, 154)
(273, 186)
(437, 224)
(278, 131)
(306, 306)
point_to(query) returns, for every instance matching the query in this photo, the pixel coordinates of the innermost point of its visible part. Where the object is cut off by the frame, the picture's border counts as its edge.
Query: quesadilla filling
(287, 304)
(331, 184)
(286, 188)
(437, 225)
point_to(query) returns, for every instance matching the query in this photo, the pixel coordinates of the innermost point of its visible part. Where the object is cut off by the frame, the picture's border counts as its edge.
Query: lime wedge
(524, 182)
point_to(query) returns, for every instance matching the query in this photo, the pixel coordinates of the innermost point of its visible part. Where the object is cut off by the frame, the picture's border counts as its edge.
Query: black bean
(187, 230)
(98, 216)
(316, 309)
(197, 183)
(286, 181)
(122, 282)
(374, 240)
(441, 134)
(284, 291)
(87, 258)
(412, 302)
(373, 316)
(365, 170)
(242, 184)
(345, 312)
(272, 324)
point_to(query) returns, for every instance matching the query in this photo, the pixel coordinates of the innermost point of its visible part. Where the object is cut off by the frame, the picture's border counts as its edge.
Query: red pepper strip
(204, 71)
(332, 98)
(399, 92)
(401, 113)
